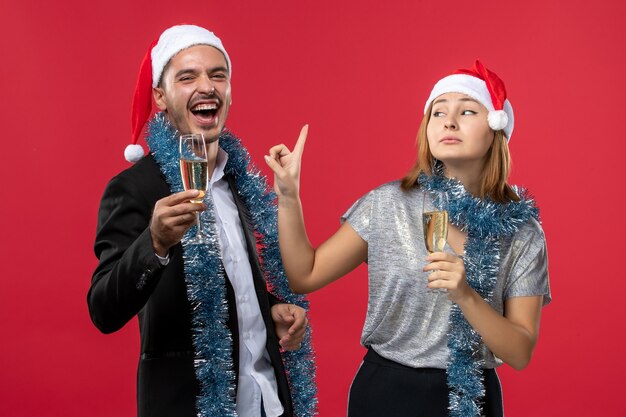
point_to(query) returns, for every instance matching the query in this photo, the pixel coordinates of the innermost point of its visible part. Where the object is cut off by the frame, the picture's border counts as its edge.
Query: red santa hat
(171, 41)
(483, 86)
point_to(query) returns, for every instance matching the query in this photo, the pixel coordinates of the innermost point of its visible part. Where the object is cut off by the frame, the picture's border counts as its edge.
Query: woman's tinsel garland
(205, 278)
(486, 223)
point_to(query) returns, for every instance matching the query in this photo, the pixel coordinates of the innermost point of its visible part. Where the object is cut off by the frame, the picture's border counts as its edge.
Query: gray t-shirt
(406, 322)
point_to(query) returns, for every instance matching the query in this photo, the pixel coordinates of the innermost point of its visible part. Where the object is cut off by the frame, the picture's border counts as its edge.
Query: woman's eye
(437, 113)
(468, 112)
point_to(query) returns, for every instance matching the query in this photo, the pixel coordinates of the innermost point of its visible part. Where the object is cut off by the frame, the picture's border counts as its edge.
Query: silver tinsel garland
(487, 223)
(205, 280)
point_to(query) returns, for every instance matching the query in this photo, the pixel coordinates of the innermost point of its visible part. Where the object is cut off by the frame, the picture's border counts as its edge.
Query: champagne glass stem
(199, 233)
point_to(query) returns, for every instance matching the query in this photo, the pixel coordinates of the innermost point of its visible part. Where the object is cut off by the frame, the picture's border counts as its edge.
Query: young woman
(433, 352)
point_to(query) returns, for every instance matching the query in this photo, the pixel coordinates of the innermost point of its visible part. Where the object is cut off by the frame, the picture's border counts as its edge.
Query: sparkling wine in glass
(435, 226)
(435, 230)
(195, 173)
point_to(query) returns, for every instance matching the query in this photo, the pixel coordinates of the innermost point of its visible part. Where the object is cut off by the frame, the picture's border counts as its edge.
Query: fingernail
(267, 158)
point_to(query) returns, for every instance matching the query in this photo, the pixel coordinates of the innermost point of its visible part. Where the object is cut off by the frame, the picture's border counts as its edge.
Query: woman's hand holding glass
(447, 271)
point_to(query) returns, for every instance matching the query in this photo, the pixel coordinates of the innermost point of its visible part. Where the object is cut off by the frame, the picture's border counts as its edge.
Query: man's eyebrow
(193, 71)
(184, 71)
(220, 68)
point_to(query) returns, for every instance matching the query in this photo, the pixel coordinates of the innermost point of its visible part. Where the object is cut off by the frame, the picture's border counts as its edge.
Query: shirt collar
(220, 165)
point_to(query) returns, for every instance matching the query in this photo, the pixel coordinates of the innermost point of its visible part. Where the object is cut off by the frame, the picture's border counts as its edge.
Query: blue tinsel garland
(205, 277)
(486, 223)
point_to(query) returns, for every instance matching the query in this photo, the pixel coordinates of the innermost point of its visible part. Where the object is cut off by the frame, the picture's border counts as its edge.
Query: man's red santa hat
(171, 41)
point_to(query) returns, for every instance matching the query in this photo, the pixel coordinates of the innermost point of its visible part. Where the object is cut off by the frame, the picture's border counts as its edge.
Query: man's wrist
(163, 260)
(159, 249)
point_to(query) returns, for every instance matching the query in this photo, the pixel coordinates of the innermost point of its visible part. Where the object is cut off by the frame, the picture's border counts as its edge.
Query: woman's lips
(450, 140)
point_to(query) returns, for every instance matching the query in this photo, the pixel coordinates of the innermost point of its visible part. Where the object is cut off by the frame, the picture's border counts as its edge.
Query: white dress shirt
(256, 374)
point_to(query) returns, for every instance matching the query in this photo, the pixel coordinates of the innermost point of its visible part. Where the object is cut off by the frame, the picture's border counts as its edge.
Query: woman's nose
(450, 122)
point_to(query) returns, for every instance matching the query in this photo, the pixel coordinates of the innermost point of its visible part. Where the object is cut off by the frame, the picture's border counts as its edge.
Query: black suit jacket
(129, 281)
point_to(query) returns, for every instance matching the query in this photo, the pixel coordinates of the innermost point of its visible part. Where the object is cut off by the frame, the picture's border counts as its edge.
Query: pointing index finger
(299, 148)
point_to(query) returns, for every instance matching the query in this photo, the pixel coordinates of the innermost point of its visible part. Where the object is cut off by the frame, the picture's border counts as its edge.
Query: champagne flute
(435, 226)
(195, 173)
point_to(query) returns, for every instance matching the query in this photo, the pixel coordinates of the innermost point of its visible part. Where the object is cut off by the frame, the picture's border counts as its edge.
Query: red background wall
(358, 72)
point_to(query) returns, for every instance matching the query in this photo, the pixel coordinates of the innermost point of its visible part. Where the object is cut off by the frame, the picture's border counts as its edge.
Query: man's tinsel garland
(204, 275)
(486, 223)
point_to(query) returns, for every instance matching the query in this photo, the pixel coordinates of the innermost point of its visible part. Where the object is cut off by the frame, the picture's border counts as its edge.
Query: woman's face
(458, 130)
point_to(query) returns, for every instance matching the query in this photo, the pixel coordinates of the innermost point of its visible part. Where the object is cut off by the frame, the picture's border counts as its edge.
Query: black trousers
(383, 388)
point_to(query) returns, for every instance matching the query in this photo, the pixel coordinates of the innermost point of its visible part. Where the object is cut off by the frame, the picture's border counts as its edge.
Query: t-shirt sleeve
(359, 215)
(529, 276)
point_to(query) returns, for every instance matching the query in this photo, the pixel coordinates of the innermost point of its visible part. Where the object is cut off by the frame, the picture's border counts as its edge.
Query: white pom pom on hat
(497, 119)
(133, 153)
(171, 41)
(483, 86)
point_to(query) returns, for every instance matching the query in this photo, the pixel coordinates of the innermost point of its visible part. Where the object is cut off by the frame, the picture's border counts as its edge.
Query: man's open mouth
(205, 113)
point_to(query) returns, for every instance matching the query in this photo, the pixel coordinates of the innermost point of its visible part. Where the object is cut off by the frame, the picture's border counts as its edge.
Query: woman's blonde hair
(495, 172)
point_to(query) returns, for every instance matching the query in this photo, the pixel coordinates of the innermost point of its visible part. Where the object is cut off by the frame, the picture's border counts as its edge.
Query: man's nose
(205, 85)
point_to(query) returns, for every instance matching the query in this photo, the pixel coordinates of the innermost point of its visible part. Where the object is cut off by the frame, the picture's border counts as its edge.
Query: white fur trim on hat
(177, 38)
(133, 153)
(477, 89)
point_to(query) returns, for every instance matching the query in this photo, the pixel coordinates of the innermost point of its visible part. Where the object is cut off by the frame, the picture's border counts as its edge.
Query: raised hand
(171, 218)
(286, 166)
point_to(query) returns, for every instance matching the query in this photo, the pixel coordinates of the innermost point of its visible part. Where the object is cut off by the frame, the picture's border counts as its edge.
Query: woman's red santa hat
(171, 42)
(483, 86)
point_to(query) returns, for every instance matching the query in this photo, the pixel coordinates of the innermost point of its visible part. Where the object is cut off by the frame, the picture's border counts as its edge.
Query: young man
(211, 334)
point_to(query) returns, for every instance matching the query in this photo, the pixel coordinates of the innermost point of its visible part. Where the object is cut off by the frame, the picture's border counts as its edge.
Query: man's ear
(159, 98)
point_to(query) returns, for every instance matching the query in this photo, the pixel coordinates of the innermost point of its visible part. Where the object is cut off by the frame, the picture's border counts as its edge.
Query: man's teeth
(202, 107)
